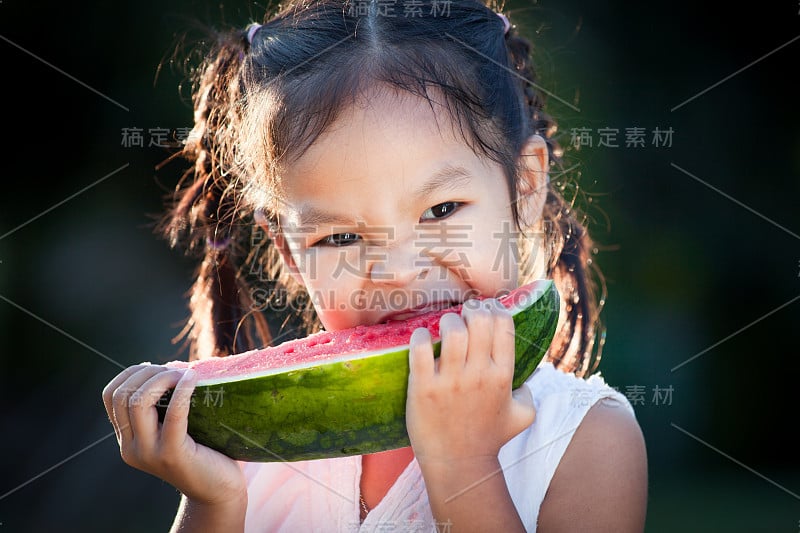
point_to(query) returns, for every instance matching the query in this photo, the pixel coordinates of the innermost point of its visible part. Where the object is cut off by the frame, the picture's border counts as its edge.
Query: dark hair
(258, 106)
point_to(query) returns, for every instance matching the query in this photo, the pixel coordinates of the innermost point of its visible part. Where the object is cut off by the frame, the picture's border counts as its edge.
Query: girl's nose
(397, 265)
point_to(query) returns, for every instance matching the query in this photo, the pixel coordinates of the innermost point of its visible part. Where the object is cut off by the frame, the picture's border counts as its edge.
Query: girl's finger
(121, 398)
(143, 415)
(504, 340)
(113, 385)
(453, 332)
(176, 420)
(522, 412)
(480, 322)
(420, 355)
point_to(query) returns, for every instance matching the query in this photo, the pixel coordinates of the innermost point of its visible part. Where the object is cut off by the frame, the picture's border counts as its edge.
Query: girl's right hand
(165, 450)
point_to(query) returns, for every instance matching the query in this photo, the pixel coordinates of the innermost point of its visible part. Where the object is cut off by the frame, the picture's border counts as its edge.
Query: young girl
(397, 151)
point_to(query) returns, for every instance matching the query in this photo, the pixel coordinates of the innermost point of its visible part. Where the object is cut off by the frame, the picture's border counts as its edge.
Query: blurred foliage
(698, 242)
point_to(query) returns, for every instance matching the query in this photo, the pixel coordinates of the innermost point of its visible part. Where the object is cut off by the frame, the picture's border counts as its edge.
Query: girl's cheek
(335, 322)
(337, 318)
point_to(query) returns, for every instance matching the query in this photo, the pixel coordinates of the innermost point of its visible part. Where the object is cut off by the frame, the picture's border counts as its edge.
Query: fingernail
(472, 303)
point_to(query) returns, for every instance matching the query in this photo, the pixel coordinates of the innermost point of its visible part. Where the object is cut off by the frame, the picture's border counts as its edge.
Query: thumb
(522, 411)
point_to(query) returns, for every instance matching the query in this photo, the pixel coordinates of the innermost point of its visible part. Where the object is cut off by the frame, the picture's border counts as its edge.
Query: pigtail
(567, 241)
(204, 219)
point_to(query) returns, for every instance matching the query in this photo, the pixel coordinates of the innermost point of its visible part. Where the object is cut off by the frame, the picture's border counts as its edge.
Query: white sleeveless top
(323, 495)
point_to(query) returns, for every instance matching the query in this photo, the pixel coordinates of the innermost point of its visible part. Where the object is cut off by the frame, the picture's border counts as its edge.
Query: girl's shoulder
(584, 448)
(562, 401)
(601, 461)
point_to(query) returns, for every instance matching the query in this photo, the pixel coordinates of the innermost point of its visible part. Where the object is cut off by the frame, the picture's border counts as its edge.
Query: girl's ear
(279, 241)
(533, 180)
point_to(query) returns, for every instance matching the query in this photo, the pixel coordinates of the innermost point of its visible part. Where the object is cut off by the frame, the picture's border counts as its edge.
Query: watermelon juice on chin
(338, 393)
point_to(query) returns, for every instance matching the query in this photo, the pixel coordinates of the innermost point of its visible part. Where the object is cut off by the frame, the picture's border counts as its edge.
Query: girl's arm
(460, 412)
(602, 474)
(470, 495)
(213, 485)
(194, 516)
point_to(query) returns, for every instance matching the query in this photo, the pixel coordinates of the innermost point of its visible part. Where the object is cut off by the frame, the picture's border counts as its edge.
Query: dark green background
(687, 266)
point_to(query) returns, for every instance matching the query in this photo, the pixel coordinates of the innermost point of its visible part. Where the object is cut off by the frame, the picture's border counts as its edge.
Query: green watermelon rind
(346, 407)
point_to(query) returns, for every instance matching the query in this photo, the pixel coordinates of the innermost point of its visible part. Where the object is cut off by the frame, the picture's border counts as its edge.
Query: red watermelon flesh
(325, 346)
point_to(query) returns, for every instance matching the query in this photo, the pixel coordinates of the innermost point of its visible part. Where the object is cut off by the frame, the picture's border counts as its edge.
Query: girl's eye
(340, 239)
(442, 210)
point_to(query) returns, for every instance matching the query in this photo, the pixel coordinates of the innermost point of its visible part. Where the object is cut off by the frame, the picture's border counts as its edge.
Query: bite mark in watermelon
(337, 393)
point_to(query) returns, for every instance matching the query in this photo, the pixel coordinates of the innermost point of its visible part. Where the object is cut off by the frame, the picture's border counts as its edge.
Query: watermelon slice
(336, 393)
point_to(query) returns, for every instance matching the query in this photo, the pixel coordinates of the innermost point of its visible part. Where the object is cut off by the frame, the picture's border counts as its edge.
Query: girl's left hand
(461, 406)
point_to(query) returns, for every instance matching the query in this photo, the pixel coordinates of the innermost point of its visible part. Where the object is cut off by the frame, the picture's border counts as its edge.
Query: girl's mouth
(419, 310)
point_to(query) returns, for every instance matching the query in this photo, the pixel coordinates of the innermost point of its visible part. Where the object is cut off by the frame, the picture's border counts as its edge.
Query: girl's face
(388, 215)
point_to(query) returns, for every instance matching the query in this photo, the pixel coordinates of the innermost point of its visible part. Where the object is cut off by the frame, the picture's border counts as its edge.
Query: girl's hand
(460, 407)
(203, 475)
